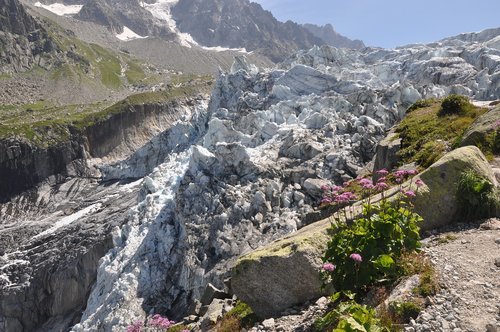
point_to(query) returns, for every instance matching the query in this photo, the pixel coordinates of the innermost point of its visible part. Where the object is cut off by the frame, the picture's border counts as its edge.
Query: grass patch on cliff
(241, 316)
(427, 133)
(134, 72)
(45, 124)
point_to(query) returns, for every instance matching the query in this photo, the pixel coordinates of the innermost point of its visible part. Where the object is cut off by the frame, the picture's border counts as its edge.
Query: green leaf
(384, 261)
(354, 325)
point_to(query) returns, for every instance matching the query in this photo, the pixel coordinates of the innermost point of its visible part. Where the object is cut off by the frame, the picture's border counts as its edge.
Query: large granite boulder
(437, 201)
(286, 272)
(482, 128)
(283, 273)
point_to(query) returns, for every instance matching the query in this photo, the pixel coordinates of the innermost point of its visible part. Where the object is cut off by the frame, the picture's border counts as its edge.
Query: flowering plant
(156, 323)
(365, 251)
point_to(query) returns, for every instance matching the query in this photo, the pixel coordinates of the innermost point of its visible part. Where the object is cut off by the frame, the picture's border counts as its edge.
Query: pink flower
(329, 267)
(382, 179)
(496, 125)
(325, 187)
(185, 331)
(419, 183)
(135, 327)
(336, 188)
(412, 172)
(356, 257)
(382, 172)
(326, 200)
(161, 322)
(366, 183)
(381, 186)
(409, 193)
(400, 174)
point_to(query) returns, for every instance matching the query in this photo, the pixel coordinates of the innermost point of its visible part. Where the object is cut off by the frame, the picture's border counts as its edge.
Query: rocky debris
(468, 300)
(403, 292)
(285, 272)
(294, 319)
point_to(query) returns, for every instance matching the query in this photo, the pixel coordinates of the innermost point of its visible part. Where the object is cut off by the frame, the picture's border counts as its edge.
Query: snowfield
(128, 34)
(60, 9)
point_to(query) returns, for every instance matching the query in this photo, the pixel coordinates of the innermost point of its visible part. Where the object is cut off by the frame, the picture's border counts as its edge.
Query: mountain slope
(240, 23)
(23, 42)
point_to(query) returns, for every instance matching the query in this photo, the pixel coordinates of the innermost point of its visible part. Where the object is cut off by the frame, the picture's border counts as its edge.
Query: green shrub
(404, 311)
(422, 103)
(477, 196)
(426, 136)
(350, 316)
(455, 105)
(241, 316)
(379, 238)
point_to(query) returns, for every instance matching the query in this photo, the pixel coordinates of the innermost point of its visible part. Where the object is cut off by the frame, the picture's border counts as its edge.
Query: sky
(391, 23)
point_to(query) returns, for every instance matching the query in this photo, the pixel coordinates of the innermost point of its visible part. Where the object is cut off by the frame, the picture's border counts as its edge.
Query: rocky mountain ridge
(239, 24)
(231, 176)
(331, 37)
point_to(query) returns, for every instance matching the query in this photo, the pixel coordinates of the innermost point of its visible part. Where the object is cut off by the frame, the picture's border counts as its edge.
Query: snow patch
(162, 11)
(223, 49)
(128, 34)
(70, 219)
(60, 9)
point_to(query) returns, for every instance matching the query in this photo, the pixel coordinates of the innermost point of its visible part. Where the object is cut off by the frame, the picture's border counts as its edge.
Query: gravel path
(469, 270)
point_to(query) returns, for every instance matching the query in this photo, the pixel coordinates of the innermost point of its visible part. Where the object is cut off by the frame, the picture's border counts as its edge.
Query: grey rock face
(23, 41)
(241, 23)
(331, 37)
(387, 153)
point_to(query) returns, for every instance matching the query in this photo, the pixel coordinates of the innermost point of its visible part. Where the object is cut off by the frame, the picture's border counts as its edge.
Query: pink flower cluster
(329, 267)
(356, 257)
(161, 322)
(335, 194)
(136, 326)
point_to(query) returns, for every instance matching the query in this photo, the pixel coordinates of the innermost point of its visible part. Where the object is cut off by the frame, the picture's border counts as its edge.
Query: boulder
(286, 272)
(483, 127)
(437, 202)
(313, 187)
(283, 273)
(386, 155)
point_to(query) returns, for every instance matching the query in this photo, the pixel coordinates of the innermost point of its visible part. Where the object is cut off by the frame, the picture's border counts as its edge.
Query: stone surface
(283, 274)
(437, 201)
(484, 126)
(386, 154)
